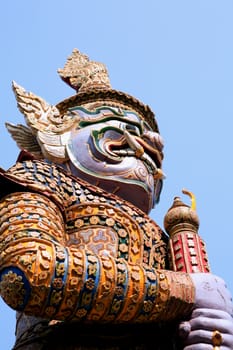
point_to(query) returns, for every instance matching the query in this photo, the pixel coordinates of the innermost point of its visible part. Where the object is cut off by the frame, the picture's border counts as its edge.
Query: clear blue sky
(176, 56)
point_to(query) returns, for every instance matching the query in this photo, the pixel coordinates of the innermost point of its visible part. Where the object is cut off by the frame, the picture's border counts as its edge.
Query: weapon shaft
(187, 251)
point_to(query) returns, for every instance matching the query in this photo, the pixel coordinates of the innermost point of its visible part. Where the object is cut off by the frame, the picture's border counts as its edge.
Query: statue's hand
(211, 292)
(199, 331)
(211, 322)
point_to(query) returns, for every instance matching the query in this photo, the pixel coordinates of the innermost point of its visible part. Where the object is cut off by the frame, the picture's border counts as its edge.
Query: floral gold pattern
(83, 256)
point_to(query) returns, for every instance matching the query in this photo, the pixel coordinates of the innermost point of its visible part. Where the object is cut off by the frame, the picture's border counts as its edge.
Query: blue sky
(176, 56)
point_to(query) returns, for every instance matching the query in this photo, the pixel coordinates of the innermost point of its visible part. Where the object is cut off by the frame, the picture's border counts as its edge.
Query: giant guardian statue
(81, 262)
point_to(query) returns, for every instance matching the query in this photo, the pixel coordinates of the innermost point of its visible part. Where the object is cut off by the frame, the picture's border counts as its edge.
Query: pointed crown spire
(82, 74)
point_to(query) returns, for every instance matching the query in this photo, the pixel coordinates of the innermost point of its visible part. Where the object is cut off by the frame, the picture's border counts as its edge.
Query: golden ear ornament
(47, 130)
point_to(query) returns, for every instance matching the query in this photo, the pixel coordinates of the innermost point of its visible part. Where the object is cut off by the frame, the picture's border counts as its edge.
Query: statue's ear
(47, 129)
(37, 112)
(24, 139)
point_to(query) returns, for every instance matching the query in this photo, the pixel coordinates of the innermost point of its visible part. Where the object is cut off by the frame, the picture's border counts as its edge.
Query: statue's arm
(41, 276)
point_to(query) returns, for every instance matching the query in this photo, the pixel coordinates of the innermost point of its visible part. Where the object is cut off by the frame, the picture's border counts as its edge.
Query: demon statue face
(114, 149)
(101, 135)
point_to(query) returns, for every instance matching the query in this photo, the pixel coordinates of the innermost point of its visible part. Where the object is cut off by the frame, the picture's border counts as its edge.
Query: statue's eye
(132, 128)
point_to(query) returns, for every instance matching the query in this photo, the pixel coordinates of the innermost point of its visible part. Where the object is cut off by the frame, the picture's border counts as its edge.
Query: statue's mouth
(133, 146)
(113, 150)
